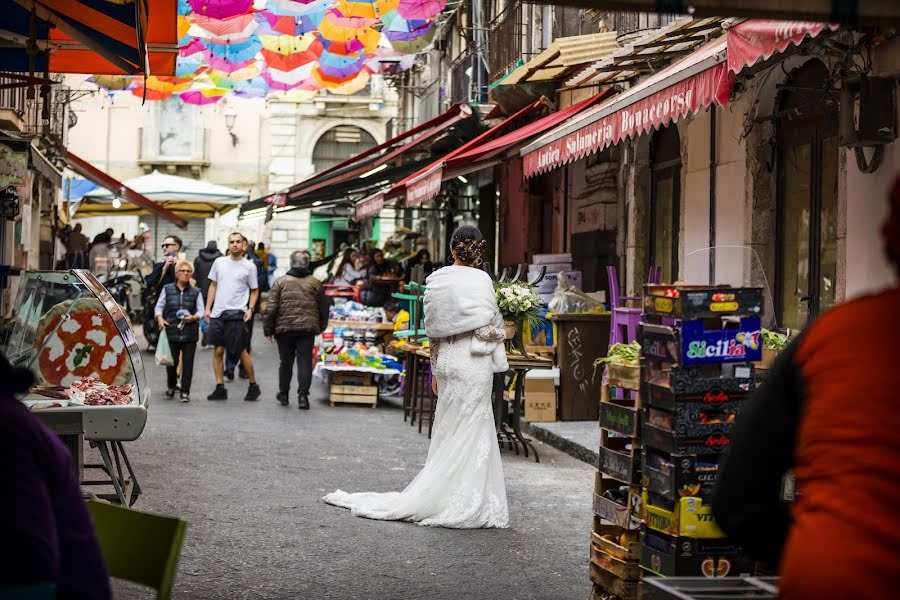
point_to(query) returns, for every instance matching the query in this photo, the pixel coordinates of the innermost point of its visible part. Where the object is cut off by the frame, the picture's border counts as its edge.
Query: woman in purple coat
(46, 534)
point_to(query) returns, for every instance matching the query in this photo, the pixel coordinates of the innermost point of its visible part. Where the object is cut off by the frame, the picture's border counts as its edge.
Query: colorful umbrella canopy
(113, 82)
(251, 48)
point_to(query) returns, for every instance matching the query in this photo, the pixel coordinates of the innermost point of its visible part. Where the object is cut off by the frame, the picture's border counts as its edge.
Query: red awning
(105, 180)
(758, 39)
(425, 184)
(520, 135)
(686, 87)
(692, 84)
(370, 160)
(369, 207)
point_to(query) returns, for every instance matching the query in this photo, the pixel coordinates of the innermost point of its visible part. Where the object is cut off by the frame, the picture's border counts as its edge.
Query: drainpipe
(546, 26)
(712, 193)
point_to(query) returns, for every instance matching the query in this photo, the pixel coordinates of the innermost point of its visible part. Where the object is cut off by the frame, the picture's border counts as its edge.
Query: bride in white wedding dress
(461, 485)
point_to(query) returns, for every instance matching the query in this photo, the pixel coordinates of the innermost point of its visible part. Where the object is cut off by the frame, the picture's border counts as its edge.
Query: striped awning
(91, 36)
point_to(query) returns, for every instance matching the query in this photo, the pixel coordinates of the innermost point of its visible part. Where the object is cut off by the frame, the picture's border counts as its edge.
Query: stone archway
(339, 143)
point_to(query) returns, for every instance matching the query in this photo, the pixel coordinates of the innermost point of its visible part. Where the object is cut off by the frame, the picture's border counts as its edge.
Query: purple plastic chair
(624, 320)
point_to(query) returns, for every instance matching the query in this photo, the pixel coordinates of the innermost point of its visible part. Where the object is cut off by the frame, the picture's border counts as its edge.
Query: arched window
(665, 192)
(806, 214)
(338, 144)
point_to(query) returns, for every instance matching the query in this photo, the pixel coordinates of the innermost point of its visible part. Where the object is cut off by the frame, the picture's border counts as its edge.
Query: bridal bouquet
(518, 301)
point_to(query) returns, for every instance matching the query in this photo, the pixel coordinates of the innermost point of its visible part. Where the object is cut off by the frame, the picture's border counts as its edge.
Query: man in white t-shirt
(233, 290)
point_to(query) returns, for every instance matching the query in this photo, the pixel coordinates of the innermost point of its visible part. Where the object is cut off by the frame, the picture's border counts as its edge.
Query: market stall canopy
(90, 36)
(701, 79)
(485, 155)
(141, 204)
(368, 171)
(873, 12)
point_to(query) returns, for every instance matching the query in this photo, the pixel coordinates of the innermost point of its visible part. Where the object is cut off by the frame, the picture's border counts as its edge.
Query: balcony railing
(508, 41)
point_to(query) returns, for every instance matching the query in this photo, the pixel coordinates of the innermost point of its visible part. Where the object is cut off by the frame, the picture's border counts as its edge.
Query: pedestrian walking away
(296, 311)
(178, 311)
(202, 265)
(233, 292)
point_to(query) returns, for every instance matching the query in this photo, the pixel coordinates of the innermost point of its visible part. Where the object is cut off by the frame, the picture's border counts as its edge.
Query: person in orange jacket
(829, 409)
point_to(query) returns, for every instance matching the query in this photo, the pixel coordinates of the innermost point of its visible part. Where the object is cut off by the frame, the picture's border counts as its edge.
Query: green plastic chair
(39, 591)
(138, 546)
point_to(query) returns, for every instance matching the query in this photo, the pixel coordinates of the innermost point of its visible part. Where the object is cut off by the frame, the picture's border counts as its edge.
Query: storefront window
(806, 259)
(664, 201)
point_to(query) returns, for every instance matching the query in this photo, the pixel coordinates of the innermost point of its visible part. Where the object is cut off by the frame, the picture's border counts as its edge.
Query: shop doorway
(806, 208)
(665, 201)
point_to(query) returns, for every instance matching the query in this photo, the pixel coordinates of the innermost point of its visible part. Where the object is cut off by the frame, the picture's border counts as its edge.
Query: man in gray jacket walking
(296, 310)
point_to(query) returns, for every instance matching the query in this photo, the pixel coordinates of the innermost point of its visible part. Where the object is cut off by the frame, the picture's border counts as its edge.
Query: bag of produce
(163, 352)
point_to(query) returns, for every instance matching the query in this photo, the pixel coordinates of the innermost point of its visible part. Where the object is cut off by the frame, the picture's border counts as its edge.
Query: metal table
(509, 423)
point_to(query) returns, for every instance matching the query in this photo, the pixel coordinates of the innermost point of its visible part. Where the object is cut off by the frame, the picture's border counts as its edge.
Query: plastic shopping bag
(163, 352)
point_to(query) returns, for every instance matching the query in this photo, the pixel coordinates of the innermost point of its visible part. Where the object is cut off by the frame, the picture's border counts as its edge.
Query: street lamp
(230, 118)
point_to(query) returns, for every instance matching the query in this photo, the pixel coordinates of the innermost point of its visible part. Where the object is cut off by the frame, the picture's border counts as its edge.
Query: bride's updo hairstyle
(468, 245)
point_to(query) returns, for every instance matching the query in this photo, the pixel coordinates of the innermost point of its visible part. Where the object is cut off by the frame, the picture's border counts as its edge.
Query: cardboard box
(540, 395)
(690, 517)
(690, 557)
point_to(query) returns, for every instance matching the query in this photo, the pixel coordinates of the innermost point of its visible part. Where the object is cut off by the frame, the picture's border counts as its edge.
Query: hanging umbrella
(112, 82)
(149, 94)
(188, 66)
(330, 81)
(249, 72)
(237, 52)
(192, 48)
(220, 9)
(400, 29)
(204, 96)
(296, 95)
(161, 83)
(251, 88)
(353, 86)
(289, 52)
(223, 64)
(222, 31)
(372, 9)
(288, 79)
(336, 65)
(420, 9)
(336, 27)
(295, 8)
(416, 45)
(272, 24)
(184, 8)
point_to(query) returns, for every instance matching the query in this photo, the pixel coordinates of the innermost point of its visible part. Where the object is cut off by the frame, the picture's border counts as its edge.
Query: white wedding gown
(461, 485)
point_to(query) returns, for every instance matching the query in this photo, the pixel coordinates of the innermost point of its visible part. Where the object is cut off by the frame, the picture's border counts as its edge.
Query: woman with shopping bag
(178, 312)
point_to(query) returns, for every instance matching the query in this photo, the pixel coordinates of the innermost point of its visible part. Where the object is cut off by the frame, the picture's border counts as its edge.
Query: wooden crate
(609, 539)
(626, 590)
(351, 378)
(624, 376)
(628, 570)
(354, 394)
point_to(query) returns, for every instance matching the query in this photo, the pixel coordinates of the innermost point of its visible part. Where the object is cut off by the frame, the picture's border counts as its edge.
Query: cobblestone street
(249, 478)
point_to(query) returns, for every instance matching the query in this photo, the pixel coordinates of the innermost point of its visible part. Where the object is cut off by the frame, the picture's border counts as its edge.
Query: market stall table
(351, 384)
(508, 423)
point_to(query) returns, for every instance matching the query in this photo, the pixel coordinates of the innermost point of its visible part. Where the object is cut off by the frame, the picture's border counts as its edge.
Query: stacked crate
(615, 545)
(697, 348)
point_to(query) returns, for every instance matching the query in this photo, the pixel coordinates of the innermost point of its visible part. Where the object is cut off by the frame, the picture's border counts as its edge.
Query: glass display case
(76, 339)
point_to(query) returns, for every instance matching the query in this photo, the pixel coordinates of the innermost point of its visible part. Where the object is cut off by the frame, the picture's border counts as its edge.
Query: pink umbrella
(420, 9)
(220, 9)
(222, 31)
(199, 98)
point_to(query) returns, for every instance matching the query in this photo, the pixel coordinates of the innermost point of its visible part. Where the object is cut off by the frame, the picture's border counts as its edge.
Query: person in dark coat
(203, 263)
(296, 311)
(46, 533)
(164, 271)
(178, 311)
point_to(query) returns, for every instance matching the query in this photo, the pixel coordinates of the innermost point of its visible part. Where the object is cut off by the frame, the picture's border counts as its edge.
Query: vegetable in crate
(621, 354)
